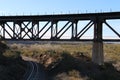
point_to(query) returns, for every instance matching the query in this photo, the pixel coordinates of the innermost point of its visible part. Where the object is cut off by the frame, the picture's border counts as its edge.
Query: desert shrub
(11, 54)
(3, 47)
(71, 75)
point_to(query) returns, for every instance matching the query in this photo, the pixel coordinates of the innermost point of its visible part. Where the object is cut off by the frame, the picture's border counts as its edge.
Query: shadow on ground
(11, 67)
(84, 66)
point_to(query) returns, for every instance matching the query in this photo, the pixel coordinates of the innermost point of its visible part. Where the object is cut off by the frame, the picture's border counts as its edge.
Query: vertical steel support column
(35, 36)
(97, 53)
(20, 25)
(14, 30)
(37, 30)
(74, 29)
(33, 24)
(54, 30)
(1, 31)
(3, 25)
(76, 26)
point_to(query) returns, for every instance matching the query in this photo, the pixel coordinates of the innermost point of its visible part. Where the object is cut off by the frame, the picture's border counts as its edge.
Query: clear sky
(57, 6)
(43, 7)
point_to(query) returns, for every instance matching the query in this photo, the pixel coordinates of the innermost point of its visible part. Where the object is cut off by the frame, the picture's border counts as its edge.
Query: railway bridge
(55, 27)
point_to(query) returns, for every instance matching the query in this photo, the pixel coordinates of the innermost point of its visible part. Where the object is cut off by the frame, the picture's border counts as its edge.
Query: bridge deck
(87, 16)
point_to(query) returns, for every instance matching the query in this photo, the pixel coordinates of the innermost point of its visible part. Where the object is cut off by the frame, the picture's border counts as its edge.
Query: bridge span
(36, 27)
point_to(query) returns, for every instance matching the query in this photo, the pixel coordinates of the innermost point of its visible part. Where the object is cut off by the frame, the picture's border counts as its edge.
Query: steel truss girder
(112, 29)
(34, 31)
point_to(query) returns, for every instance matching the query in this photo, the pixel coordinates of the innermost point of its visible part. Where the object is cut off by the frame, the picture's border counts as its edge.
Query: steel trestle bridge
(29, 28)
(21, 27)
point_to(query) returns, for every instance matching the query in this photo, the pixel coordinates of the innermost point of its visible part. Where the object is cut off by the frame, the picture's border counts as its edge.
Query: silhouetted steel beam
(63, 17)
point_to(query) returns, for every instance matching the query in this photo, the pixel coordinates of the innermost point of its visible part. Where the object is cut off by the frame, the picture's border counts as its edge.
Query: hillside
(73, 61)
(12, 67)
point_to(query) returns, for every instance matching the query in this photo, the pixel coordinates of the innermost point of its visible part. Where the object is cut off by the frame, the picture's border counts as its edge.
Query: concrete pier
(97, 53)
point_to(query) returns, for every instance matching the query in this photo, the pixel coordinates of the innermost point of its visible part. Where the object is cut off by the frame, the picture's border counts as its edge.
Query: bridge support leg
(97, 52)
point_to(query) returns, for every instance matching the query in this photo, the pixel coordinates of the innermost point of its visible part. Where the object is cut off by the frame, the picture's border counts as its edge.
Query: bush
(12, 54)
(3, 47)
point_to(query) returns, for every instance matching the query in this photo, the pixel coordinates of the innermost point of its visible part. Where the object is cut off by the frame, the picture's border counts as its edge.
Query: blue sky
(43, 7)
(57, 6)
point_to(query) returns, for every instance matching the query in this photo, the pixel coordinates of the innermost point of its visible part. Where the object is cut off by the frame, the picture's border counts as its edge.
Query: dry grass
(71, 75)
(51, 55)
(111, 51)
(29, 50)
